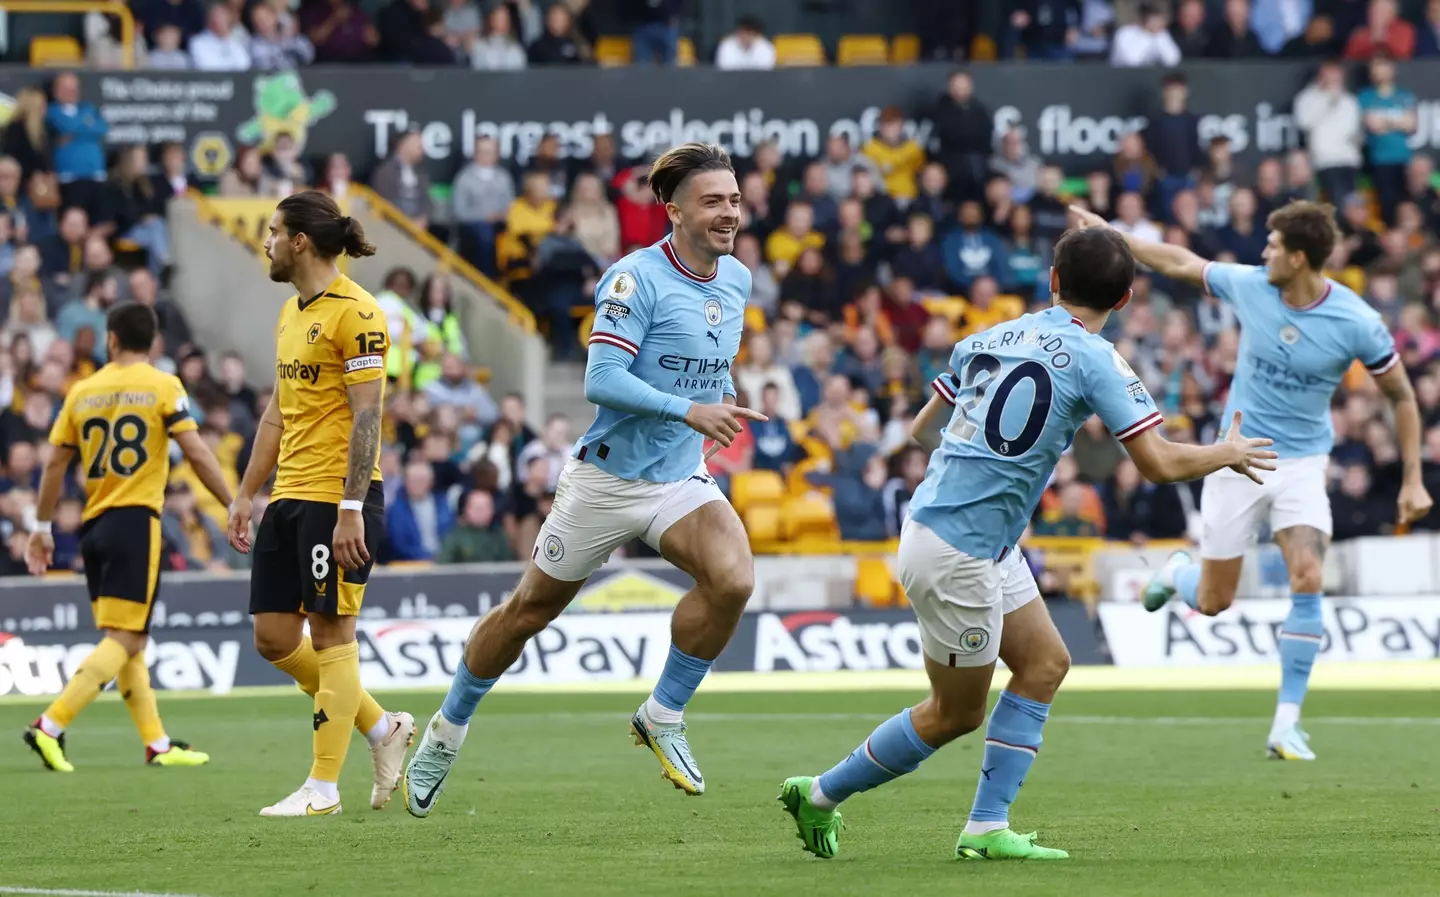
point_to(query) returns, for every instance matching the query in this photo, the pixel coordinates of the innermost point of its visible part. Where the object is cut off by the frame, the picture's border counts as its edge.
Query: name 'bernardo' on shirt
(697, 373)
(1048, 343)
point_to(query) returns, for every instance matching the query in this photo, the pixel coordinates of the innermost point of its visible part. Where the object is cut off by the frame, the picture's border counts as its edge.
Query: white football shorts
(960, 601)
(594, 513)
(1232, 505)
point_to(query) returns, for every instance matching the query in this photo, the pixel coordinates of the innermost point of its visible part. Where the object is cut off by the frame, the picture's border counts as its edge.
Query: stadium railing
(500, 332)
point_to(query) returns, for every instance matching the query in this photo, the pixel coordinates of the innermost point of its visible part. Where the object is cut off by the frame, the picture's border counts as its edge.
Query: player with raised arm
(118, 423)
(668, 320)
(326, 518)
(1019, 392)
(1299, 334)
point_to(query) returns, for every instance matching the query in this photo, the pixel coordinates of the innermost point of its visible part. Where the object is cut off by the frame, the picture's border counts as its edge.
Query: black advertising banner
(1073, 115)
(203, 601)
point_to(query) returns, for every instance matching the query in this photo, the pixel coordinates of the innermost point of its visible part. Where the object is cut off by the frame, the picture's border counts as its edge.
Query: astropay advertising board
(1356, 629)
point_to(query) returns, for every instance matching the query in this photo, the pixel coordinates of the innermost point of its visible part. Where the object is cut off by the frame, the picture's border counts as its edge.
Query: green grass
(550, 797)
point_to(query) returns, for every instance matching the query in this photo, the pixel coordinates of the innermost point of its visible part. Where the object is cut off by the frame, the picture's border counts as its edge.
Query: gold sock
(336, 703)
(134, 685)
(94, 674)
(304, 667)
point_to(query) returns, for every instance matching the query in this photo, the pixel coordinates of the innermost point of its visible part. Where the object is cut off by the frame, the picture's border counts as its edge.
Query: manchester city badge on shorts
(554, 550)
(974, 640)
(713, 313)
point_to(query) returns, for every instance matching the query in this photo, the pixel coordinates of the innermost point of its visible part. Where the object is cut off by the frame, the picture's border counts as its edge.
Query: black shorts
(121, 550)
(295, 570)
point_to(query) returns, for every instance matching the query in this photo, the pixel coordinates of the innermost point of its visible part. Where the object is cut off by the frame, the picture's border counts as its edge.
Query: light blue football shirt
(1020, 391)
(1292, 359)
(678, 333)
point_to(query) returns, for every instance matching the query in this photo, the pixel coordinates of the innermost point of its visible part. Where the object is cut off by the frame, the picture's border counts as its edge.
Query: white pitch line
(66, 892)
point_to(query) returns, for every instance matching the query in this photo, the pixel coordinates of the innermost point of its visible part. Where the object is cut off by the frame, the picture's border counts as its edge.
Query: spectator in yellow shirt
(532, 214)
(899, 158)
(784, 246)
(981, 311)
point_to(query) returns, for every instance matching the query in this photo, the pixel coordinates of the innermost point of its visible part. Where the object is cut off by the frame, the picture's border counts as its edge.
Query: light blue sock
(1187, 583)
(1012, 740)
(1300, 638)
(678, 681)
(892, 750)
(464, 696)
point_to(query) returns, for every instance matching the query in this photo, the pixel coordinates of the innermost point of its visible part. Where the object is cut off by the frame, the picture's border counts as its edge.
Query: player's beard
(280, 271)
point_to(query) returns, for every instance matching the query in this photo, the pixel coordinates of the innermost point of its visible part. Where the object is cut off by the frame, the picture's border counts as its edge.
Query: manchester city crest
(1289, 335)
(713, 313)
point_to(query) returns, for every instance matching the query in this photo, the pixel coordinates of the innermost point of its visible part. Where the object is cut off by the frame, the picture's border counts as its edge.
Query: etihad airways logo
(297, 370)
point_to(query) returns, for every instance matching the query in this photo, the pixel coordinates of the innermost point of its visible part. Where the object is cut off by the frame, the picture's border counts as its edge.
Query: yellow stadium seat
(809, 516)
(756, 487)
(55, 50)
(875, 583)
(612, 52)
(685, 53)
(762, 523)
(862, 49)
(951, 308)
(983, 49)
(905, 49)
(798, 50)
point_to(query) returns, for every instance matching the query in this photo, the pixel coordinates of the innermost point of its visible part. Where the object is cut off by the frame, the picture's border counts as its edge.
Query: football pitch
(1153, 793)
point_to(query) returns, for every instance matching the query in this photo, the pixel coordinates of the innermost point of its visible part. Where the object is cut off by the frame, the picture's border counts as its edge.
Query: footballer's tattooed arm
(348, 542)
(364, 437)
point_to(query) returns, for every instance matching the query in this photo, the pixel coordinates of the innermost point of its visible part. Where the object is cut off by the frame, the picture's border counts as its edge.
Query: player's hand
(1415, 502)
(1250, 454)
(238, 530)
(720, 422)
(39, 553)
(1083, 218)
(348, 543)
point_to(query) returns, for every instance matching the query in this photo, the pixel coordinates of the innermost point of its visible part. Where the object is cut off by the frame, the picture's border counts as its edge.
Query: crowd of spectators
(868, 262)
(496, 35)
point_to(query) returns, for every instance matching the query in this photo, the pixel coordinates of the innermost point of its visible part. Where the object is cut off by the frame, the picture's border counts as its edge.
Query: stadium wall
(1073, 115)
(803, 619)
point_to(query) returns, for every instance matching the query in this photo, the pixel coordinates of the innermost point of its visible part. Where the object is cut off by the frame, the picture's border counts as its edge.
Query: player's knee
(733, 587)
(1046, 672)
(132, 642)
(274, 646)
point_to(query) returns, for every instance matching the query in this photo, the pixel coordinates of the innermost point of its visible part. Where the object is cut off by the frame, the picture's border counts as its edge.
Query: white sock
(160, 745)
(382, 728)
(328, 790)
(818, 797)
(660, 714)
(984, 828)
(446, 732)
(1286, 715)
(1166, 579)
(50, 727)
